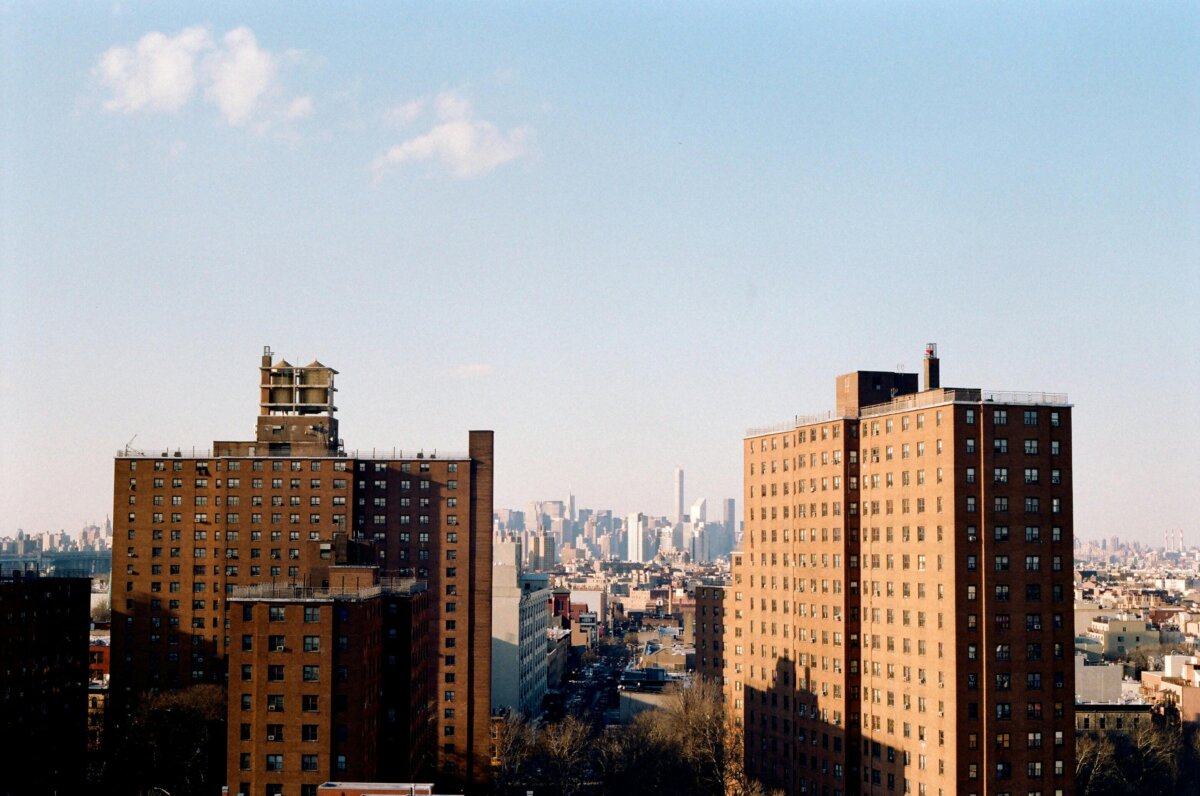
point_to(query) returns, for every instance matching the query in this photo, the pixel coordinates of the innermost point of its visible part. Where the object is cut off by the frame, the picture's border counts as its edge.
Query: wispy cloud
(468, 146)
(404, 114)
(162, 73)
(476, 371)
(300, 108)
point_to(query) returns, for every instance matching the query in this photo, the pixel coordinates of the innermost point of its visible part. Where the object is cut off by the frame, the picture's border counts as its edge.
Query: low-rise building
(1177, 685)
(520, 620)
(1113, 636)
(1097, 682)
(1124, 717)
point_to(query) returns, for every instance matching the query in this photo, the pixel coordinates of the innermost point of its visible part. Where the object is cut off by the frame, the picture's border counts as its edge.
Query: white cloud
(401, 115)
(474, 371)
(162, 72)
(468, 146)
(300, 108)
(239, 75)
(158, 73)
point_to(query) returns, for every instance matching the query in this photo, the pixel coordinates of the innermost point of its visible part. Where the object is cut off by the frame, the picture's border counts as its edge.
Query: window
(275, 613)
(1032, 505)
(1031, 447)
(274, 762)
(311, 673)
(275, 702)
(1000, 445)
(309, 703)
(312, 643)
(308, 762)
(1000, 417)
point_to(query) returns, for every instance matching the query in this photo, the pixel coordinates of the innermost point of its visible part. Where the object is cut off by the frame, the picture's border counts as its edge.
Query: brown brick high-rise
(194, 526)
(901, 609)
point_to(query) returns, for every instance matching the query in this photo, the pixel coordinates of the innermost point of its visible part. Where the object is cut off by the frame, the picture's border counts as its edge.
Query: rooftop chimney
(932, 369)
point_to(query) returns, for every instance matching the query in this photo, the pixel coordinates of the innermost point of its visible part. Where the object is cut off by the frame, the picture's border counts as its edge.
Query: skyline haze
(597, 231)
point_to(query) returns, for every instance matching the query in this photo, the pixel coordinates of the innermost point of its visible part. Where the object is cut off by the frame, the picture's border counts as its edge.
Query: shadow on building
(803, 737)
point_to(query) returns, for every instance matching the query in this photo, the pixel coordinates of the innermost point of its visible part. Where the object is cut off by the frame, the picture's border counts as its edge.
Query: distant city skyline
(618, 236)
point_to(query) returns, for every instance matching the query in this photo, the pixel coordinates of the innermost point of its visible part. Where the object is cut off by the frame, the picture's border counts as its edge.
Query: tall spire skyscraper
(678, 495)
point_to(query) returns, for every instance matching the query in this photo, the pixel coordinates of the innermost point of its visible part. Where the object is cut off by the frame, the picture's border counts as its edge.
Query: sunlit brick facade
(194, 526)
(902, 616)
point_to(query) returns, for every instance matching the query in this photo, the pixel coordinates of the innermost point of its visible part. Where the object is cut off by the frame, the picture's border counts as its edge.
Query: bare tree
(1096, 770)
(176, 741)
(563, 750)
(102, 612)
(512, 746)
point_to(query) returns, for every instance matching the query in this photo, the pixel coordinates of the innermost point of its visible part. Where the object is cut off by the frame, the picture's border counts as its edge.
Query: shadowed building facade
(899, 618)
(44, 626)
(194, 527)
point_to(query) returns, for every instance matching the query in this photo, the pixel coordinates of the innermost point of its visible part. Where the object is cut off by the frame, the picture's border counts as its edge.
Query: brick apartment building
(196, 528)
(316, 673)
(899, 618)
(44, 626)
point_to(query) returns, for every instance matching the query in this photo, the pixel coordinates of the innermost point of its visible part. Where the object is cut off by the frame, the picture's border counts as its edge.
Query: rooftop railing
(920, 400)
(262, 453)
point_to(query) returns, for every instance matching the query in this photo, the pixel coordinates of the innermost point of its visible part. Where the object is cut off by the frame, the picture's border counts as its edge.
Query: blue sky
(618, 235)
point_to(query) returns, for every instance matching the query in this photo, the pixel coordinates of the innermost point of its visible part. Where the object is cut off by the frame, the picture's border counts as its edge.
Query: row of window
(1033, 681)
(1000, 476)
(1033, 651)
(1033, 593)
(256, 465)
(1000, 446)
(274, 763)
(275, 673)
(1032, 563)
(1033, 505)
(295, 465)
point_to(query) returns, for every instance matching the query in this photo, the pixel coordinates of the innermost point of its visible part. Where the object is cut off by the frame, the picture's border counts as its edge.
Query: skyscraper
(678, 495)
(905, 593)
(635, 529)
(699, 512)
(194, 528)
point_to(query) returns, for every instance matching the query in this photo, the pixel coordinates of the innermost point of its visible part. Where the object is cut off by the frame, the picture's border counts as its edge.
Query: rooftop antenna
(129, 449)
